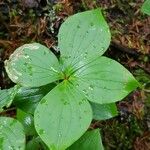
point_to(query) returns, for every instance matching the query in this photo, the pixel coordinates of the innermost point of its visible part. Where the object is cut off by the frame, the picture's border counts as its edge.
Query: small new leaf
(104, 111)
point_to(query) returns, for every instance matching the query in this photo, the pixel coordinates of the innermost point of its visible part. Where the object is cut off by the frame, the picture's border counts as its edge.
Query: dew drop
(92, 24)
(69, 56)
(71, 45)
(25, 64)
(37, 125)
(4, 122)
(104, 87)
(85, 92)
(109, 62)
(125, 84)
(37, 111)
(10, 148)
(91, 87)
(78, 26)
(66, 103)
(85, 55)
(28, 120)
(62, 100)
(42, 101)
(94, 46)
(53, 69)
(83, 99)
(103, 48)
(26, 56)
(13, 122)
(41, 131)
(80, 103)
(85, 111)
(30, 70)
(77, 85)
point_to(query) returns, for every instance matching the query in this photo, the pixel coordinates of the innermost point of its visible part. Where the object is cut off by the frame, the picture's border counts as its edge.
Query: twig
(145, 69)
(7, 110)
(128, 50)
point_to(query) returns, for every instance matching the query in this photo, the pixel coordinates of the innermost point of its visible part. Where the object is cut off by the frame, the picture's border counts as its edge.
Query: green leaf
(27, 99)
(83, 36)
(91, 140)
(11, 134)
(62, 116)
(36, 144)
(104, 81)
(7, 96)
(27, 121)
(146, 7)
(32, 65)
(104, 111)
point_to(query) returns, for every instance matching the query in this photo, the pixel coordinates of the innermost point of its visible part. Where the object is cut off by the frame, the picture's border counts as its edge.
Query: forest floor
(39, 20)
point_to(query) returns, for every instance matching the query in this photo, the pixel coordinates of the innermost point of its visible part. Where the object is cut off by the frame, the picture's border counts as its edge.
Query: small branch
(146, 90)
(7, 110)
(145, 69)
(130, 51)
(127, 50)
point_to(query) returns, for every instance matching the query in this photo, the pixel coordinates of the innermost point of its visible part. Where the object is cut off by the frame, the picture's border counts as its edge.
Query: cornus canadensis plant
(88, 84)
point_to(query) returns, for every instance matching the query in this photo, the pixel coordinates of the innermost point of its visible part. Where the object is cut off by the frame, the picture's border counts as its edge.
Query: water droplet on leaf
(85, 92)
(91, 87)
(44, 53)
(78, 26)
(41, 131)
(77, 85)
(92, 24)
(42, 101)
(80, 103)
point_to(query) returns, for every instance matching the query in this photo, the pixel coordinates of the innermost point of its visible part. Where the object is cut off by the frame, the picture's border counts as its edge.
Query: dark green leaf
(36, 144)
(104, 111)
(91, 140)
(27, 99)
(27, 122)
(62, 116)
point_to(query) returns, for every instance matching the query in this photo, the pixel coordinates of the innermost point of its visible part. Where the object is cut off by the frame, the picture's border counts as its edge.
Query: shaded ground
(34, 20)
